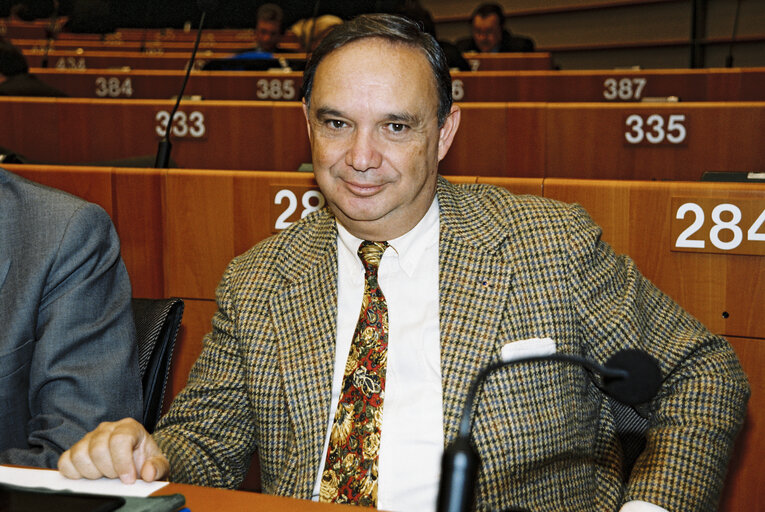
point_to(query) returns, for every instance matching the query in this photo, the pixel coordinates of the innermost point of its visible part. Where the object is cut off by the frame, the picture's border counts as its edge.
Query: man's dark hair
(12, 61)
(397, 30)
(270, 12)
(486, 10)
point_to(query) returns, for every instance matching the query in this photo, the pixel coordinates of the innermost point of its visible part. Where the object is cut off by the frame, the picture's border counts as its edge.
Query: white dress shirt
(412, 437)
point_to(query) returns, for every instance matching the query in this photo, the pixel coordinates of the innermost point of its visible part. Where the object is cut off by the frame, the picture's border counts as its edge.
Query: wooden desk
(209, 499)
(478, 86)
(610, 86)
(166, 83)
(209, 134)
(508, 61)
(115, 44)
(653, 141)
(117, 60)
(204, 218)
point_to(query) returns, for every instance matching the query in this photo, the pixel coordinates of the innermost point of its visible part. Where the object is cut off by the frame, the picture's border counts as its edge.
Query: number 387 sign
(730, 226)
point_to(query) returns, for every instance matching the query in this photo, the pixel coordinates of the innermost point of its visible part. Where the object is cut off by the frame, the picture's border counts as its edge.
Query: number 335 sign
(730, 226)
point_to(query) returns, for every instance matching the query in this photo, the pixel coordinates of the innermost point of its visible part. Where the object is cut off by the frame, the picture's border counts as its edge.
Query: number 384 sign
(729, 226)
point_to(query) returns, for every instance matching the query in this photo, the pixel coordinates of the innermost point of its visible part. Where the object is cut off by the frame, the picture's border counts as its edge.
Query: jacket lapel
(304, 318)
(475, 282)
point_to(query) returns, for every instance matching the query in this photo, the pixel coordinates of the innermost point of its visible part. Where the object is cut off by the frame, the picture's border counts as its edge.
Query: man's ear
(448, 131)
(307, 122)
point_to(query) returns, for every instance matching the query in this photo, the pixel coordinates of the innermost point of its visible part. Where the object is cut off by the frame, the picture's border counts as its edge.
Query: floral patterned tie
(350, 469)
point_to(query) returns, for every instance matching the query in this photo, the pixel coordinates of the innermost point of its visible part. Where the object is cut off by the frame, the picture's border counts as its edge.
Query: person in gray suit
(68, 357)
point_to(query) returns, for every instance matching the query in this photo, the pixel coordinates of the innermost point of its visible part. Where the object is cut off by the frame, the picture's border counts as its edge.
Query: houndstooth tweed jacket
(511, 268)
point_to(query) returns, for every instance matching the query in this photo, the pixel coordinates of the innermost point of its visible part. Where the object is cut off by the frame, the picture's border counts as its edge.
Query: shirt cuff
(641, 506)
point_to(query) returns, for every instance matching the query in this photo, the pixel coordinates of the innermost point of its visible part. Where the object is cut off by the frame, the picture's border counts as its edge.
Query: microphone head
(642, 381)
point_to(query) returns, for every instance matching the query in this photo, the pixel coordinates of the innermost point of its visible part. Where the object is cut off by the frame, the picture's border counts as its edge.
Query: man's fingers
(82, 462)
(113, 450)
(155, 468)
(124, 441)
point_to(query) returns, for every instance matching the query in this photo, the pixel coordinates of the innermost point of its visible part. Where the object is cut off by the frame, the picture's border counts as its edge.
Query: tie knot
(371, 253)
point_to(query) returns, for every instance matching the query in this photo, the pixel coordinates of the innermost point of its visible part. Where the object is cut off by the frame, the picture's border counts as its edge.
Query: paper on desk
(54, 480)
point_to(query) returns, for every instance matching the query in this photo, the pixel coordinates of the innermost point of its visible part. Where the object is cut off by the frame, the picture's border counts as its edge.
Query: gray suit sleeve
(84, 365)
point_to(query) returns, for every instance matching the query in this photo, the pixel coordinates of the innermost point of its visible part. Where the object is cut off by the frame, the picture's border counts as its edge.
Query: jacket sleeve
(700, 407)
(207, 434)
(84, 364)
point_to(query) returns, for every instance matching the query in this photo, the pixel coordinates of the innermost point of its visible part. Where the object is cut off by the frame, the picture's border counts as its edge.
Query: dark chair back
(631, 428)
(157, 322)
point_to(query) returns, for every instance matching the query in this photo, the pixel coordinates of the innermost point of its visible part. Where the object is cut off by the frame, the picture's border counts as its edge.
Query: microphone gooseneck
(162, 160)
(630, 376)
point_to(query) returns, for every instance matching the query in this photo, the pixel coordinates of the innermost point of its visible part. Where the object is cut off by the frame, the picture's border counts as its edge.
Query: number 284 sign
(729, 226)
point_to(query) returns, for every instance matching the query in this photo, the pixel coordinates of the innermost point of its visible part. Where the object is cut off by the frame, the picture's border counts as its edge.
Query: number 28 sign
(729, 226)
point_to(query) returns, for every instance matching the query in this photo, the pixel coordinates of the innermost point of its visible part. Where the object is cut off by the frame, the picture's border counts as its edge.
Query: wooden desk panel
(744, 489)
(216, 135)
(133, 199)
(479, 146)
(93, 59)
(567, 140)
(218, 215)
(724, 291)
(122, 45)
(508, 61)
(481, 86)
(165, 84)
(589, 140)
(208, 499)
(610, 86)
(139, 213)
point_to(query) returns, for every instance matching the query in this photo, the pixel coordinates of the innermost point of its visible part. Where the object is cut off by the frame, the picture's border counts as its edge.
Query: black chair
(157, 322)
(631, 428)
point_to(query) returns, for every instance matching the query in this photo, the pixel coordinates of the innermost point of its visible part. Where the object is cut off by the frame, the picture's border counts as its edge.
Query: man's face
(267, 35)
(486, 32)
(374, 134)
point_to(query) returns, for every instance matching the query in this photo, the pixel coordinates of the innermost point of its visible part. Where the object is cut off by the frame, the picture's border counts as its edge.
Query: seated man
(15, 78)
(354, 404)
(68, 356)
(268, 29)
(487, 24)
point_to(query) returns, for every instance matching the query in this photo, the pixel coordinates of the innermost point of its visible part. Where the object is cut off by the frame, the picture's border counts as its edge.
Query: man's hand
(121, 449)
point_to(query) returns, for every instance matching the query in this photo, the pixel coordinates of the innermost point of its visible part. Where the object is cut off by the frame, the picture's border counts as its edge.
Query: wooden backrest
(660, 141)
(504, 86)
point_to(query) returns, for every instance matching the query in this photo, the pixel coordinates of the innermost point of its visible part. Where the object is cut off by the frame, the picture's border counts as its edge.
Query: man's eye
(335, 123)
(397, 127)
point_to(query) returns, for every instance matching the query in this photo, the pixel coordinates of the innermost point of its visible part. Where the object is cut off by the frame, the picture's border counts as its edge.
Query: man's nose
(363, 153)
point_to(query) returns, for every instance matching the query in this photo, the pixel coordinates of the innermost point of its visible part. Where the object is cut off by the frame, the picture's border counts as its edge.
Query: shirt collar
(410, 247)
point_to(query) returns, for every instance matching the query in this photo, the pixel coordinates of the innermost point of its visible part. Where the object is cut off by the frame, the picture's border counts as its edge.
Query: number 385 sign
(730, 226)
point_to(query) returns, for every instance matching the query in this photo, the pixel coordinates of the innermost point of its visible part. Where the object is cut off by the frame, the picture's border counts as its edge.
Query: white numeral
(753, 232)
(281, 221)
(731, 225)
(624, 89)
(184, 125)
(458, 90)
(113, 88)
(306, 200)
(70, 63)
(653, 131)
(684, 239)
(275, 89)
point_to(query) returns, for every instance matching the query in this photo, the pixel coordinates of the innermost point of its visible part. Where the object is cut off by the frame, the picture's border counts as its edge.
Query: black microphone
(630, 376)
(162, 159)
(729, 57)
(51, 33)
